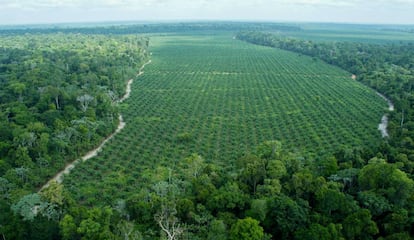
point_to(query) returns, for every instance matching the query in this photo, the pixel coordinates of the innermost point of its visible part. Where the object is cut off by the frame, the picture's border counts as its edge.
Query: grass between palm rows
(220, 97)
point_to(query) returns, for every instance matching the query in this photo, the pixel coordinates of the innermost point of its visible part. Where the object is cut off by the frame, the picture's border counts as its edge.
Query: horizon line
(165, 21)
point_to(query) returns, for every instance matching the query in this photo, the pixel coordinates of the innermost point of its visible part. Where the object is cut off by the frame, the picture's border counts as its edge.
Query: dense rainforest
(59, 95)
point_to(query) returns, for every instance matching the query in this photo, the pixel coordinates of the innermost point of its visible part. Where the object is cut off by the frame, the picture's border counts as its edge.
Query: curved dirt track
(382, 127)
(92, 153)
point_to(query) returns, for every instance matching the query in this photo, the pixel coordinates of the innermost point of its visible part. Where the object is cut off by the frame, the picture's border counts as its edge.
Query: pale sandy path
(60, 175)
(382, 127)
(130, 81)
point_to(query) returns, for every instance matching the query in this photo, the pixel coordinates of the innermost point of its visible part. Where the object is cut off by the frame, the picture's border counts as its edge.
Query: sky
(343, 11)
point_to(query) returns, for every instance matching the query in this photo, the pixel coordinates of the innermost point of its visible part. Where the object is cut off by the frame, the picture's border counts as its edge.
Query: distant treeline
(407, 30)
(153, 28)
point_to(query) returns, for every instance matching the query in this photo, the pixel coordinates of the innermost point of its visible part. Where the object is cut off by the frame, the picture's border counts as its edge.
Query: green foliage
(185, 209)
(347, 177)
(126, 230)
(396, 222)
(184, 137)
(304, 184)
(193, 166)
(139, 208)
(270, 187)
(29, 206)
(252, 171)
(375, 203)
(258, 209)
(203, 188)
(398, 236)
(217, 230)
(327, 166)
(228, 197)
(359, 226)
(246, 229)
(53, 193)
(89, 229)
(276, 169)
(269, 150)
(386, 180)
(334, 203)
(317, 231)
(5, 188)
(68, 228)
(9, 222)
(285, 216)
(96, 225)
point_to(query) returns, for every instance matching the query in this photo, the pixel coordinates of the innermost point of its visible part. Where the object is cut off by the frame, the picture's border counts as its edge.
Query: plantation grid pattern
(220, 98)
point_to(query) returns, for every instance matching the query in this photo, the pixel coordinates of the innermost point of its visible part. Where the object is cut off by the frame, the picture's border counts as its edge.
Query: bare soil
(382, 127)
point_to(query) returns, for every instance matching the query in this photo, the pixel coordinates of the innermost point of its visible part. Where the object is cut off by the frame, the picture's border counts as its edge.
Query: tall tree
(246, 229)
(359, 225)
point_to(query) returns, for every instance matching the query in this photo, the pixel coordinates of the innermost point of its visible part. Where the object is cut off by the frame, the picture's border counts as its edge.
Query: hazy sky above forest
(351, 11)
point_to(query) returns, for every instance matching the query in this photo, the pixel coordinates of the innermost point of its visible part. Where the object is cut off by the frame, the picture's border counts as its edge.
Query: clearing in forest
(220, 97)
